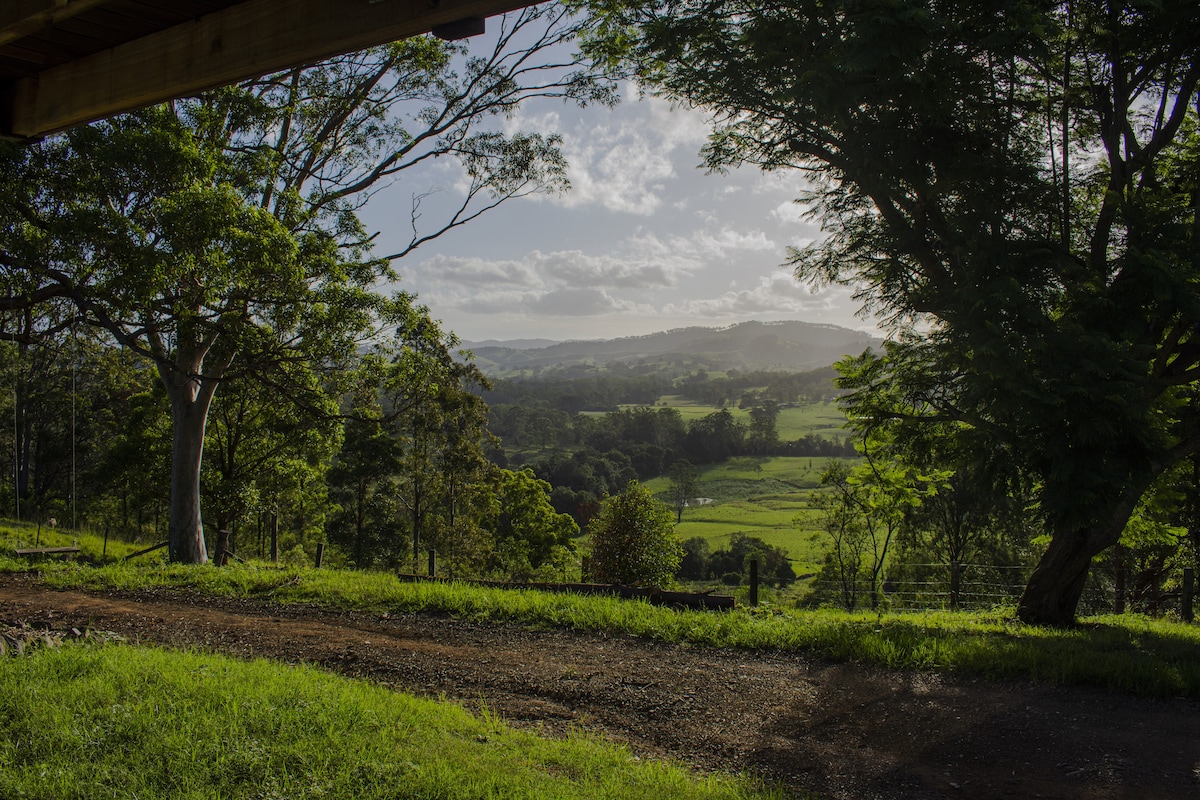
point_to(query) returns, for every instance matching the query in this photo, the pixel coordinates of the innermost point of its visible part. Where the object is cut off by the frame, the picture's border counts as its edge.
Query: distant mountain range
(773, 346)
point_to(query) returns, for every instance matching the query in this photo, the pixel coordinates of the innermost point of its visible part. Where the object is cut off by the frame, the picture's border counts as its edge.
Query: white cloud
(791, 182)
(563, 302)
(623, 159)
(777, 293)
(477, 271)
(587, 302)
(559, 269)
(795, 212)
(728, 239)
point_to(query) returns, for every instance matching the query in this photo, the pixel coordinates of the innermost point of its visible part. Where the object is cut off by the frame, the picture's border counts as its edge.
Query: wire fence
(929, 587)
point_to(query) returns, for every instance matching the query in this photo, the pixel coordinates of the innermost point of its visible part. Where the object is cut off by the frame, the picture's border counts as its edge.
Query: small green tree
(684, 483)
(633, 539)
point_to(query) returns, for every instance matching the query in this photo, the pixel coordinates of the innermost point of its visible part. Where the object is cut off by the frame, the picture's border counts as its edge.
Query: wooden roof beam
(22, 17)
(243, 41)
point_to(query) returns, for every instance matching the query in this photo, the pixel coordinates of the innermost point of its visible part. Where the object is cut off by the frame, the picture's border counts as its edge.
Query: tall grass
(1150, 657)
(133, 722)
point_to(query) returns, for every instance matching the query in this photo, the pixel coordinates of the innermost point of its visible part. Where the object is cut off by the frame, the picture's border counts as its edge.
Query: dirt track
(837, 730)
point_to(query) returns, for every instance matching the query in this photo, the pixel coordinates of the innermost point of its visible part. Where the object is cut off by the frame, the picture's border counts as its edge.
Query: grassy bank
(1149, 657)
(119, 721)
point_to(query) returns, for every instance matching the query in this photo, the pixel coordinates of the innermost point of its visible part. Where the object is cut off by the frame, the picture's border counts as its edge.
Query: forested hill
(757, 346)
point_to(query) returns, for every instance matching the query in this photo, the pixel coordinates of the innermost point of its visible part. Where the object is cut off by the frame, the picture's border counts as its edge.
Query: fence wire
(981, 586)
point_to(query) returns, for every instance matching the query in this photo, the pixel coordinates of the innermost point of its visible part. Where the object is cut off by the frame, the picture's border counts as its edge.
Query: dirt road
(837, 730)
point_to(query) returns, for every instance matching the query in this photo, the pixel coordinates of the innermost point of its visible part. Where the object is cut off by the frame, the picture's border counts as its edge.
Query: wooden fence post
(1189, 583)
(432, 563)
(754, 581)
(222, 548)
(320, 553)
(274, 538)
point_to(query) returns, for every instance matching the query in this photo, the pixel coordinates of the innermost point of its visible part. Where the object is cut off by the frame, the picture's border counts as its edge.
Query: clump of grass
(1156, 658)
(122, 721)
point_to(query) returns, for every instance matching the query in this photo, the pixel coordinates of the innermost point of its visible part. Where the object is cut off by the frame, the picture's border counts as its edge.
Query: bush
(633, 540)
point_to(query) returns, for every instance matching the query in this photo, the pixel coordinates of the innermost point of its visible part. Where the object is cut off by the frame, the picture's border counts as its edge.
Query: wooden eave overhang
(66, 62)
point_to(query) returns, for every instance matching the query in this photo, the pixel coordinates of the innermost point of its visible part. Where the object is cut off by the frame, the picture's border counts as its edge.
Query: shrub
(633, 539)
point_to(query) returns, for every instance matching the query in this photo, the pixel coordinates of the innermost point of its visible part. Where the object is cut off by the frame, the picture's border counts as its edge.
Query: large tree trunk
(186, 527)
(1054, 588)
(1052, 594)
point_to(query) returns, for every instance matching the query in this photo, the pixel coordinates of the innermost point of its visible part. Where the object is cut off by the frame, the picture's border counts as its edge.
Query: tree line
(587, 456)
(609, 388)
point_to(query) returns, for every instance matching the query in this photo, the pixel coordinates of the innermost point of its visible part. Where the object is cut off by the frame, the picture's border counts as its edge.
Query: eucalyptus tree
(218, 237)
(684, 483)
(1012, 185)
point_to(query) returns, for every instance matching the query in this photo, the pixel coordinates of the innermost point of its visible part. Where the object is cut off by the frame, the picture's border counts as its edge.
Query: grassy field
(823, 419)
(1150, 657)
(762, 497)
(116, 721)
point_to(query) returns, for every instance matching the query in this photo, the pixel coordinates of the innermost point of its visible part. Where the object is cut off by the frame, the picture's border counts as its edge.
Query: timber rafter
(67, 62)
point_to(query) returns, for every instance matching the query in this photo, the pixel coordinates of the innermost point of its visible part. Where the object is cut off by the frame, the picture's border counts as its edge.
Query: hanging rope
(74, 363)
(16, 427)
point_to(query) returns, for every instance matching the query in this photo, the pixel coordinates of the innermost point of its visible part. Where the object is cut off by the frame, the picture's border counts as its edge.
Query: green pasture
(823, 419)
(762, 497)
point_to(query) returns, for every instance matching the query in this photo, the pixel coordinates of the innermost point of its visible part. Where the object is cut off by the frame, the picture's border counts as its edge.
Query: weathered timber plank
(33, 551)
(243, 41)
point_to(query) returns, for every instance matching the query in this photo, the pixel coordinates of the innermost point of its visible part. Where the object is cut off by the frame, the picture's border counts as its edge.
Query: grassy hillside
(762, 497)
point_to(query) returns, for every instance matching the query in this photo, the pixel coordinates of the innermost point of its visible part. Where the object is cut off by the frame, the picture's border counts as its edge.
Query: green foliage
(694, 564)
(530, 535)
(192, 725)
(633, 540)
(774, 568)
(861, 510)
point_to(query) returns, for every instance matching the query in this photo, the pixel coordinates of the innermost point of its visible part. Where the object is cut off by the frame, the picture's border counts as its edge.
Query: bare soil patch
(834, 730)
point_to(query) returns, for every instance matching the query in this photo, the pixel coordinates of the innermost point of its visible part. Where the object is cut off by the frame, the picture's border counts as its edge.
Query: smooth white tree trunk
(190, 416)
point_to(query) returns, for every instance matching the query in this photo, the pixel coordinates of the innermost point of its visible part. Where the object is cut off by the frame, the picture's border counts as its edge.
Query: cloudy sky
(644, 241)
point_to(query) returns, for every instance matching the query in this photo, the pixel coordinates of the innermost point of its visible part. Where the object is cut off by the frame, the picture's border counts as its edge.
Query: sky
(644, 241)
